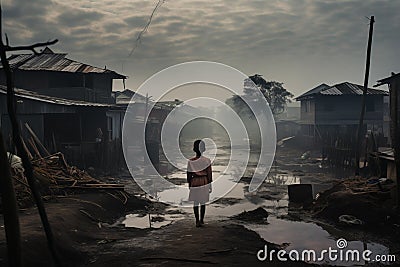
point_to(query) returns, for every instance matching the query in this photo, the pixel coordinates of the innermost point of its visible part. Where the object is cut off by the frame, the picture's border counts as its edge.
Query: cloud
(72, 17)
(285, 40)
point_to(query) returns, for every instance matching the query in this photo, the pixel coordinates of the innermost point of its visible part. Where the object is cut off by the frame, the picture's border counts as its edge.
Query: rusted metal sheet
(55, 62)
(344, 88)
(24, 94)
(347, 88)
(314, 91)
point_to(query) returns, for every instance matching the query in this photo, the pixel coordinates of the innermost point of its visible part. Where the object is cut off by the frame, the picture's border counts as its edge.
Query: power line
(146, 27)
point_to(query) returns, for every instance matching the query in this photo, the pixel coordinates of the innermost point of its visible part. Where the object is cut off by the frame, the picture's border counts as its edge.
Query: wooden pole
(366, 77)
(394, 132)
(36, 139)
(17, 139)
(10, 209)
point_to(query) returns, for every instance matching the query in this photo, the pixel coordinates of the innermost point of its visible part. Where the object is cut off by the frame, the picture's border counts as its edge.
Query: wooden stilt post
(366, 77)
(10, 209)
(394, 132)
(17, 139)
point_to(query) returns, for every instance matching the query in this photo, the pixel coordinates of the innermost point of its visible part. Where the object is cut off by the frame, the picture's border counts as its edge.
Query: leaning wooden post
(10, 209)
(366, 77)
(17, 140)
(394, 131)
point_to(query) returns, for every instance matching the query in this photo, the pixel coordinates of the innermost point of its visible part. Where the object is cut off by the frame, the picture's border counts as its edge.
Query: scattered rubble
(349, 220)
(55, 177)
(357, 197)
(258, 215)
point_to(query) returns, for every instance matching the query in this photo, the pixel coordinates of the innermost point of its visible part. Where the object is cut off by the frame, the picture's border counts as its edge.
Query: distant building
(54, 74)
(328, 111)
(123, 98)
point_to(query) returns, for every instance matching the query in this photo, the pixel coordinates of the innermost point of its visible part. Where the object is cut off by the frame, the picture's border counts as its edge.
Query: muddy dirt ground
(93, 229)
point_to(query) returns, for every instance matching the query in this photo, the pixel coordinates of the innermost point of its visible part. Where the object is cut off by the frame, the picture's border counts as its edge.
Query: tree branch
(17, 139)
(9, 48)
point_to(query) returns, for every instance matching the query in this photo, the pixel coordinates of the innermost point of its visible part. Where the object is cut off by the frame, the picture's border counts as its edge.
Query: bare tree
(9, 201)
(10, 209)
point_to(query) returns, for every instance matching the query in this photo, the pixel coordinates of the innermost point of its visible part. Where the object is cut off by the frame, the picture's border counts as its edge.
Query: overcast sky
(299, 42)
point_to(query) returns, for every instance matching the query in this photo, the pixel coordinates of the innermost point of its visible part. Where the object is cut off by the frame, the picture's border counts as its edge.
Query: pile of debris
(367, 201)
(55, 177)
(258, 215)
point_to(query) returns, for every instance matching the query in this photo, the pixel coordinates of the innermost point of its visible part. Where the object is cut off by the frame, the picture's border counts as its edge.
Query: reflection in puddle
(239, 200)
(283, 179)
(150, 221)
(305, 236)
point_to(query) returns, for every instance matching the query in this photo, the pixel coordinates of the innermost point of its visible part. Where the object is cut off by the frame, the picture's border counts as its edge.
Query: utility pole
(366, 77)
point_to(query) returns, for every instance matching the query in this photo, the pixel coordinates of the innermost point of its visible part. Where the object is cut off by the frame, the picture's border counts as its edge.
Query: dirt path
(82, 225)
(216, 243)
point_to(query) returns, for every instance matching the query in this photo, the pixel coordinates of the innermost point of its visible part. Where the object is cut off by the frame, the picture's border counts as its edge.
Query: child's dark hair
(199, 147)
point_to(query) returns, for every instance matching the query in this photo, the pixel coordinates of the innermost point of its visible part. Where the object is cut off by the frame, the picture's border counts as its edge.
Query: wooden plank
(26, 149)
(32, 143)
(36, 139)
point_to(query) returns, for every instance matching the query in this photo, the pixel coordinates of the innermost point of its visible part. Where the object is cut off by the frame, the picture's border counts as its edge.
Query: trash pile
(55, 177)
(364, 201)
(258, 215)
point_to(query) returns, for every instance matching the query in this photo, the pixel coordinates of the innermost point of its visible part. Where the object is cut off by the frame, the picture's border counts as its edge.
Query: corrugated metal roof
(24, 94)
(347, 88)
(50, 61)
(313, 91)
(15, 60)
(344, 88)
(125, 97)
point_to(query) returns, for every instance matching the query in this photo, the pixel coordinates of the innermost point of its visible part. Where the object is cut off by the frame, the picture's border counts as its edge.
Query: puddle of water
(299, 235)
(152, 221)
(239, 200)
(302, 236)
(236, 201)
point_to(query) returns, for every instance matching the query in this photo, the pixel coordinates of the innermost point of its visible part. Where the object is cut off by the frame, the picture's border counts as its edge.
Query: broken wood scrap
(124, 200)
(19, 180)
(26, 149)
(89, 216)
(62, 159)
(34, 148)
(36, 139)
(124, 195)
(56, 177)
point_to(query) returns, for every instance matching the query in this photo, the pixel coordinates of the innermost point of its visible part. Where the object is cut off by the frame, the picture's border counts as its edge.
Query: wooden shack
(328, 111)
(87, 133)
(393, 83)
(54, 74)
